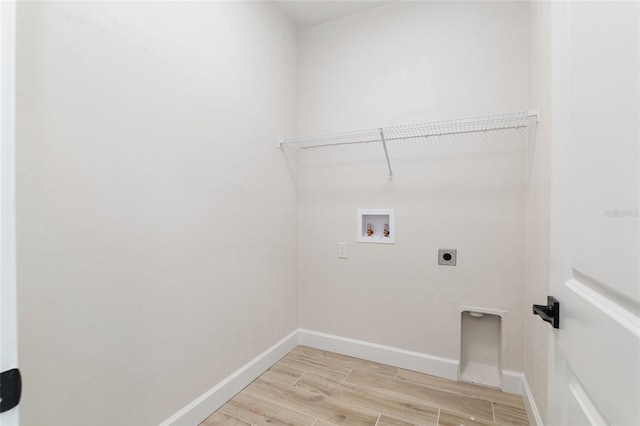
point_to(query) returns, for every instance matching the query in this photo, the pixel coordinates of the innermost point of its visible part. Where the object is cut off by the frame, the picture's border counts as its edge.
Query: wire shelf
(416, 130)
(512, 120)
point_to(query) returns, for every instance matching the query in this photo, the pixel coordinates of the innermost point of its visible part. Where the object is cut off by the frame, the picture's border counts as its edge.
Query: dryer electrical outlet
(447, 257)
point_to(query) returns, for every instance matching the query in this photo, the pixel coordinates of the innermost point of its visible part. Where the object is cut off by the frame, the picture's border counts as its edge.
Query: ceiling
(307, 13)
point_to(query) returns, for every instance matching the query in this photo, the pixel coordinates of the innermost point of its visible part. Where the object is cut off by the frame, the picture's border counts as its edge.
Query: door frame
(561, 63)
(8, 299)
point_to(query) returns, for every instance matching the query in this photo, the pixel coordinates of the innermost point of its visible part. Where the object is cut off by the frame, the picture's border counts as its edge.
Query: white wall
(404, 62)
(156, 220)
(536, 332)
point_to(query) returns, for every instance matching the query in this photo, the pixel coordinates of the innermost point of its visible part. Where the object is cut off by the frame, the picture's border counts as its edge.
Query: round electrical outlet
(447, 257)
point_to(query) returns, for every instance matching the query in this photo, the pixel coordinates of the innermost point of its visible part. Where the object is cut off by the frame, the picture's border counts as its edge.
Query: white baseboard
(530, 404)
(416, 361)
(512, 382)
(202, 407)
(217, 396)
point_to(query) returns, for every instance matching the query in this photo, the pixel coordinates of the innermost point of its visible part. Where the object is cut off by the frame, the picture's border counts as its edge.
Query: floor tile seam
(316, 363)
(475, 417)
(378, 421)
(391, 393)
(403, 399)
(420, 400)
(267, 401)
(460, 393)
(419, 423)
(454, 393)
(322, 372)
(439, 408)
(301, 376)
(332, 362)
(345, 377)
(330, 399)
(236, 418)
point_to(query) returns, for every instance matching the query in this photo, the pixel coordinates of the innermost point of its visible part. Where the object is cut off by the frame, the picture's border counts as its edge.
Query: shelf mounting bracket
(386, 153)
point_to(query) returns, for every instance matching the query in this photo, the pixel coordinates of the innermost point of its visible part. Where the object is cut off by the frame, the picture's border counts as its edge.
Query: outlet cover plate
(342, 250)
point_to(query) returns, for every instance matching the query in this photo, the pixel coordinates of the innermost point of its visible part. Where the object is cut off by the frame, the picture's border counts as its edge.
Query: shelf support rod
(386, 153)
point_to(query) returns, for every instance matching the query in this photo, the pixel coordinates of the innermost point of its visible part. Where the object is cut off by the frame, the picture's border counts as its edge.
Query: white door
(595, 231)
(8, 352)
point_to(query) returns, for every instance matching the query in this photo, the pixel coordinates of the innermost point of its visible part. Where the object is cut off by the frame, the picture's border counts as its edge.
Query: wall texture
(404, 62)
(156, 220)
(537, 255)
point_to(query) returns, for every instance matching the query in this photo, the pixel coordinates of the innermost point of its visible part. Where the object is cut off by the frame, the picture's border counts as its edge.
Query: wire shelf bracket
(512, 120)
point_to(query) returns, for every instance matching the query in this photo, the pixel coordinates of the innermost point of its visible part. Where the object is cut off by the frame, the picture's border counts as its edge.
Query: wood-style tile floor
(309, 387)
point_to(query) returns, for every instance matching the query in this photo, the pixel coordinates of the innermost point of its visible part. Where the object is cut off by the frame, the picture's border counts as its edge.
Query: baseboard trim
(512, 382)
(217, 396)
(416, 361)
(530, 404)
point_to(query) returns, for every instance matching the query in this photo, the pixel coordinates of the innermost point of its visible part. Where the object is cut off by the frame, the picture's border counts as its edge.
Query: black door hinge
(10, 389)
